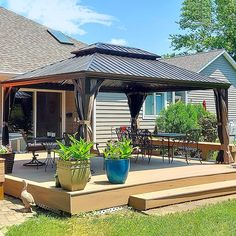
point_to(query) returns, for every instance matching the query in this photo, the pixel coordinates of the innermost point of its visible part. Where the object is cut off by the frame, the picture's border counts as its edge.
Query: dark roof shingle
(194, 62)
(26, 45)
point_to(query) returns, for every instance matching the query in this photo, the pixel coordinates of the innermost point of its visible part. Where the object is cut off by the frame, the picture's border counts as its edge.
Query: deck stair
(156, 199)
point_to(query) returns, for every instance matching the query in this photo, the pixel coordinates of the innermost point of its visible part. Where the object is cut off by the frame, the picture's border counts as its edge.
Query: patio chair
(32, 146)
(144, 143)
(190, 147)
(123, 132)
(163, 147)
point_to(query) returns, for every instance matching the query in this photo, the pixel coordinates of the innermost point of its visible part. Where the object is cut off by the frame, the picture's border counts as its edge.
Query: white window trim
(153, 117)
(186, 97)
(63, 106)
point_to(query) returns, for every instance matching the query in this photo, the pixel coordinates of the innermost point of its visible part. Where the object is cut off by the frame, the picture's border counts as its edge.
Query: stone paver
(11, 213)
(188, 206)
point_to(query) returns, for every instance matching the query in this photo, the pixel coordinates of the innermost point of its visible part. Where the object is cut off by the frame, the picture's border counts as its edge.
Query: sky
(136, 23)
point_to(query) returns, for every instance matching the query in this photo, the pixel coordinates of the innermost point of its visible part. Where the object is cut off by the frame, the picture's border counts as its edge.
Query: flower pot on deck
(73, 175)
(117, 170)
(9, 161)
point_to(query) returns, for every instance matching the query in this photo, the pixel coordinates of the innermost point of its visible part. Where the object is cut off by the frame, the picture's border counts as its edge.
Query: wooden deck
(100, 194)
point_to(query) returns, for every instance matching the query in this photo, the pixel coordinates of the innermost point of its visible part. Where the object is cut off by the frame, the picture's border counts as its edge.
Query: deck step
(156, 199)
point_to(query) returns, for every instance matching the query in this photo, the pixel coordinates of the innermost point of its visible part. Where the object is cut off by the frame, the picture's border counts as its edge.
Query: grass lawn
(211, 220)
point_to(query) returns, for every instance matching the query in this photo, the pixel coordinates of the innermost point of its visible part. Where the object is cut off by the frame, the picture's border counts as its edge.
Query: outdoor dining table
(169, 136)
(49, 143)
(49, 147)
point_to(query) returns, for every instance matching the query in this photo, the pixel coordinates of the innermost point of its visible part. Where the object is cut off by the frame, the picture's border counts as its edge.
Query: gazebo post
(135, 102)
(221, 101)
(85, 92)
(8, 101)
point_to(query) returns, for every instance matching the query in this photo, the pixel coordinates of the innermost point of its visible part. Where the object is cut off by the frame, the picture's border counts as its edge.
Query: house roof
(120, 70)
(26, 45)
(195, 62)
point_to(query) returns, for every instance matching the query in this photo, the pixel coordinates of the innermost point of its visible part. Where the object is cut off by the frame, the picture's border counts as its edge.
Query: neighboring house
(216, 64)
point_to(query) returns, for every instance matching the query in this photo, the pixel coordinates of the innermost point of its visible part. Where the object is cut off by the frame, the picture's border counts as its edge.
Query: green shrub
(181, 118)
(208, 124)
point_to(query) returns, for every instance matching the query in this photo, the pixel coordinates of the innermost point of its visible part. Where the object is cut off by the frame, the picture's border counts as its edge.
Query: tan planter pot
(9, 162)
(73, 175)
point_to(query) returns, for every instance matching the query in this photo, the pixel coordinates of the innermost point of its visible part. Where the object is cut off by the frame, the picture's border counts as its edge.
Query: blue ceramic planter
(117, 170)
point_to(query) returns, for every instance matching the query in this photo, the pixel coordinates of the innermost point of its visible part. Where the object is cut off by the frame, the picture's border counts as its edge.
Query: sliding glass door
(21, 116)
(48, 113)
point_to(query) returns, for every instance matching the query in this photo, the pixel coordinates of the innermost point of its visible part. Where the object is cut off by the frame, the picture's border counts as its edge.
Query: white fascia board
(205, 66)
(227, 57)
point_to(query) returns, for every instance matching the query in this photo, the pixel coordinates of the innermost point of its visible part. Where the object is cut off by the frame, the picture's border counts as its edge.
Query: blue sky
(137, 23)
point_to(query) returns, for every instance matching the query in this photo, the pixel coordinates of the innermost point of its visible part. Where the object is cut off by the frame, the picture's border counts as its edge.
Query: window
(170, 97)
(60, 37)
(154, 103)
(180, 96)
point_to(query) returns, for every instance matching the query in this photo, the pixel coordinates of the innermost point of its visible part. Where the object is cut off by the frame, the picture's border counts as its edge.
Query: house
(216, 64)
(24, 46)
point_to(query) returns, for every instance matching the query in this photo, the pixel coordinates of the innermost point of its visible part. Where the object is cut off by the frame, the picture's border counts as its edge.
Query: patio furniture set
(144, 143)
(48, 144)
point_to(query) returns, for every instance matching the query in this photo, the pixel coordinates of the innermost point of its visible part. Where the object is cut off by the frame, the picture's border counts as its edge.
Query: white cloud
(65, 15)
(121, 42)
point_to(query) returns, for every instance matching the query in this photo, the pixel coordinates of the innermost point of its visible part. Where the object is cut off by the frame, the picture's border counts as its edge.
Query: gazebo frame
(110, 68)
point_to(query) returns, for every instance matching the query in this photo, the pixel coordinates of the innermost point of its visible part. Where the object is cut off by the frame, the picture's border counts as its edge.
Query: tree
(206, 24)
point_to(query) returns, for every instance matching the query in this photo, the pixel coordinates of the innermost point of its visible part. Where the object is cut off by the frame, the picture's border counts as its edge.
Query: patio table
(169, 136)
(49, 146)
(46, 142)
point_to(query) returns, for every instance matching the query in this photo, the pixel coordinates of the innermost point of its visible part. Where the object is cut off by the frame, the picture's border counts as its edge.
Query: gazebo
(111, 68)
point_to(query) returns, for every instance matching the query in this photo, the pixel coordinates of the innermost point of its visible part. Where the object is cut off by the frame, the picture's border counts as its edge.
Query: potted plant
(73, 166)
(9, 156)
(117, 160)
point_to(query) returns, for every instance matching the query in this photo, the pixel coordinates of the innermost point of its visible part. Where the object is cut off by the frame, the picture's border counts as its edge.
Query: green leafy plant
(77, 150)
(118, 150)
(5, 149)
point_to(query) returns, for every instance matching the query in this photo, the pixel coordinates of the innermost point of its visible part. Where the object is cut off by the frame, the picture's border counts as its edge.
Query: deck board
(99, 193)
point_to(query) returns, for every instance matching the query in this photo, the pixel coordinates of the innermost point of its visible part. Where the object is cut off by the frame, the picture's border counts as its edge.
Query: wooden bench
(2, 178)
(205, 147)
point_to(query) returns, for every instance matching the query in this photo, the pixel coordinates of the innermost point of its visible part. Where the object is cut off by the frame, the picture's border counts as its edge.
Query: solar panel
(60, 37)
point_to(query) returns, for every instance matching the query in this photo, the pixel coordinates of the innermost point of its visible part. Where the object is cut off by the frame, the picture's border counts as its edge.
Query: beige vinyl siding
(197, 97)
(112, 111)
(223, 70)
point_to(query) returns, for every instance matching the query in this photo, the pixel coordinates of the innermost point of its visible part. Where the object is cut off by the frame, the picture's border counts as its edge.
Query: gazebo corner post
(8, 102)
(221, 102)
(85, 92)
(135, 103)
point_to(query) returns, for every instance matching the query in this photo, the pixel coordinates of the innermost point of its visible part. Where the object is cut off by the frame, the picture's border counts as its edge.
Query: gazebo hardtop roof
(121, 68)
